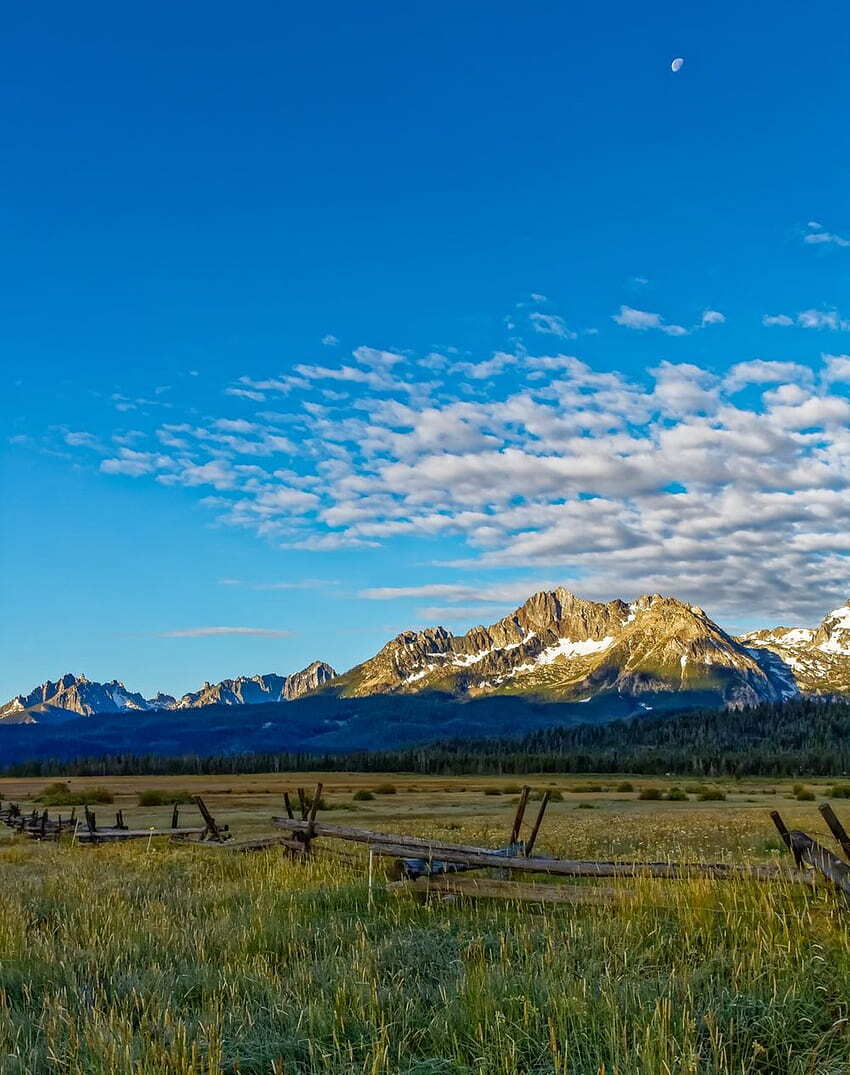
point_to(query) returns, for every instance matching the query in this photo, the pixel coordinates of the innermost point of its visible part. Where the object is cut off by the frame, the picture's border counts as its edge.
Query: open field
(167, 959)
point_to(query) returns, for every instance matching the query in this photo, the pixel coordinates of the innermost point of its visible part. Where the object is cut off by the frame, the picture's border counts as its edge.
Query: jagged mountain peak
(559, 645)
(556, 645)
(818, 657)
(73, 695)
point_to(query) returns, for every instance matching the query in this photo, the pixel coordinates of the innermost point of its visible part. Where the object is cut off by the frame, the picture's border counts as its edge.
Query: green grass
(158, 797)
(62, 794)
(129, 960)
(172, 961)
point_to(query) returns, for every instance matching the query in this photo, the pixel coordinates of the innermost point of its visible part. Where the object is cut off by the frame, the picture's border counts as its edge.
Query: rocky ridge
(818, 657)
(557, 645)
(252, 690)
(72, 696)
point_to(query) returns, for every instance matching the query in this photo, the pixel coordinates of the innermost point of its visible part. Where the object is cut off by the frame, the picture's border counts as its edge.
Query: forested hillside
(777, 739)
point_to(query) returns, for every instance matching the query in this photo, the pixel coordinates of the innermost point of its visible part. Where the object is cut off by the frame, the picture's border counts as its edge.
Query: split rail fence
(429, 867)
(39, 825)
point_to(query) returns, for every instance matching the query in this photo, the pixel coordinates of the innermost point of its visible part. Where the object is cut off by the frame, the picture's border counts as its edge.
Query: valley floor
(159, 959)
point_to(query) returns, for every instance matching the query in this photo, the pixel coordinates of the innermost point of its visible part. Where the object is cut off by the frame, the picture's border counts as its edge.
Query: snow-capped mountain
(653, 652)
(559, 646)
(72, 696)
(818, 657)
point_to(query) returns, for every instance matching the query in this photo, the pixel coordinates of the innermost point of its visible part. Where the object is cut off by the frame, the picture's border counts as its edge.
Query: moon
(676, 65)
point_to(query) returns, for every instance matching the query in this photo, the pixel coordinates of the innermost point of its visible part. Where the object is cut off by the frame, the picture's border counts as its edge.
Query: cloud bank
(730, 490)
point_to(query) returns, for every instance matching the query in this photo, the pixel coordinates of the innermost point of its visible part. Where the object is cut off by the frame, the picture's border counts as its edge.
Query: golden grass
(178, 960)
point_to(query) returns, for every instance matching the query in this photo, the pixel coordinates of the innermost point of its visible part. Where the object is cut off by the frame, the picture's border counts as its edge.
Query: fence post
(544, 802)
(520, 813)
(836, 828)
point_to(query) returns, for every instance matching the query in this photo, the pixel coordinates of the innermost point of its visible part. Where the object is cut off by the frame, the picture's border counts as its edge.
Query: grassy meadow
(159, 959)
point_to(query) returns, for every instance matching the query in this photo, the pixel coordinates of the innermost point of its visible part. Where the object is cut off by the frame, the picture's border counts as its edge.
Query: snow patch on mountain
(565, 647)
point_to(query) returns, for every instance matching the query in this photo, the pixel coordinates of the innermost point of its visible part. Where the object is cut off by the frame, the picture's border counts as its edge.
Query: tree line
(806, 736)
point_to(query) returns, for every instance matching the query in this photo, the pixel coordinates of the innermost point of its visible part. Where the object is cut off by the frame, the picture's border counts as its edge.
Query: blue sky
(322, 324)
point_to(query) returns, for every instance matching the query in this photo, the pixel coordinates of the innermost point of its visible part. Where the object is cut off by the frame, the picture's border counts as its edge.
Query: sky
(321, 322)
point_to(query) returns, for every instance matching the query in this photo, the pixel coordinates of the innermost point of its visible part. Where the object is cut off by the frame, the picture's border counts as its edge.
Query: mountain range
(588, 661)
(72, 696)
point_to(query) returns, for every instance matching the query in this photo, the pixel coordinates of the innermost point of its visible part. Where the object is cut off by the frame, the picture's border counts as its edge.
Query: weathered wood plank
(417, 847)
(367, 836)
(811, 853)
(133, 834)
(836, 828)
(581, 868)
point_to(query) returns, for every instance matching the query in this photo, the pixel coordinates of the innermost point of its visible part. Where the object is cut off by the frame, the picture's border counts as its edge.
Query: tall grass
(181, 961)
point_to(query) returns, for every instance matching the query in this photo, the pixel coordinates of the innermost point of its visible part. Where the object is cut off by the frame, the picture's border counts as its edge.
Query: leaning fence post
(781, 828)
(836, 828)
(90, 823)
(544, 802)
(520, 812)
(311, 818)
(212, 830)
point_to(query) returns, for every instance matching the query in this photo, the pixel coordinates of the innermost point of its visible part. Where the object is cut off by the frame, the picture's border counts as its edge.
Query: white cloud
(643, 320)
(297, 584)
(760, 371)
(135, 464)
(822, 319)
(245, 393)
(451, 591)
(219, 473)
(609, 484)
(819, 236)
(481, 371)
(813, 319)
(837, 368)
(83, 440)
(372, 356)
(712, 317)
(329, 340)
(551, 325)
(682, 388)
